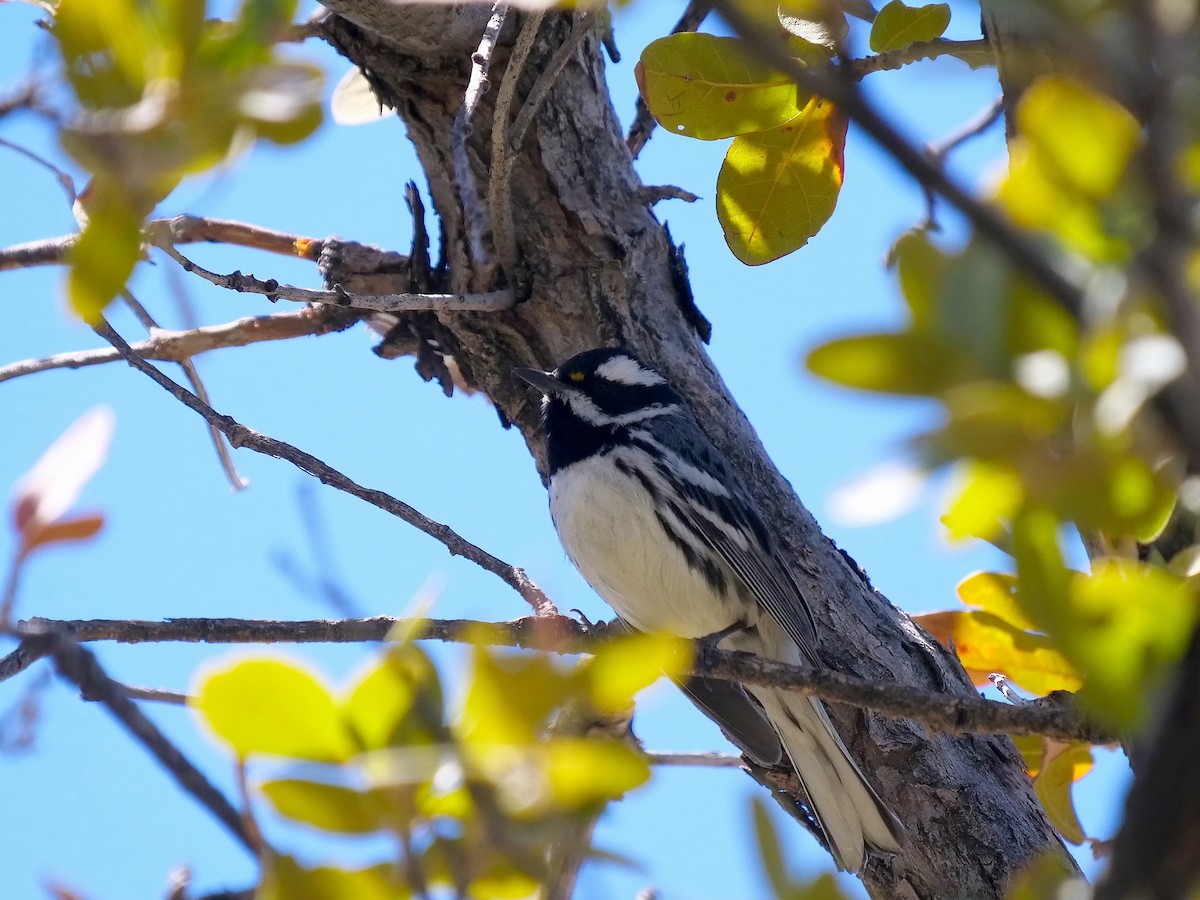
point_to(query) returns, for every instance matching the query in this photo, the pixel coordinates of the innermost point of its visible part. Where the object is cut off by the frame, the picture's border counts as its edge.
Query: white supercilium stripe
(623, 370)
(584, 407)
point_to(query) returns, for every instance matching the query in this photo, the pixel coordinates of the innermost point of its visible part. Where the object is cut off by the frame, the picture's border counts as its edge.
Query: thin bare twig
(939, 150)
(481, 62)
(643, 120)
(504, 240)
(696, 760)
(236, 482)
(65, 181)
(179, 346)
(493, 301)
(943, 712)
(974, 53)
(241, 436)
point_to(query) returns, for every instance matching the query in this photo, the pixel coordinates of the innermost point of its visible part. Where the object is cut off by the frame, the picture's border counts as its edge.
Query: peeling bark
(601, 270)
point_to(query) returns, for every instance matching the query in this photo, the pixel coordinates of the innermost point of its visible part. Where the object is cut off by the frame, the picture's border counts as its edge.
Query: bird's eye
(576, 376)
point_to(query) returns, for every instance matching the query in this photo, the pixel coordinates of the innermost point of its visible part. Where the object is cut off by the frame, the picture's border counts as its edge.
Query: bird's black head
(595, 396)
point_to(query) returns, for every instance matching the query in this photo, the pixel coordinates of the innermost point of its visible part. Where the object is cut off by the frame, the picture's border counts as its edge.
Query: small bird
(660, 525)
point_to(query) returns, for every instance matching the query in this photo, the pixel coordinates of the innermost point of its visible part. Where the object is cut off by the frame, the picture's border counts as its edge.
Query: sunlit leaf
(272, 706)
(986, 644)
(995, 592)
(1086, 138)
(284, 878)
(989, 496)
(329, 807)
(584, 771)
(511, 697)
(625, 666)
(709, 87)
(1059, 771)
(378, 706)
(897, 25)
(777, 188)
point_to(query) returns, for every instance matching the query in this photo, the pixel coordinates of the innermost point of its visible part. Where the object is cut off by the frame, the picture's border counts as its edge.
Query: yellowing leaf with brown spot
(777, 188)
(986, 643)
(709, 87)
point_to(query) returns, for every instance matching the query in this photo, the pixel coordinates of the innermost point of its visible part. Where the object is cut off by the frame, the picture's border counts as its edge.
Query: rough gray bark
(599, 267)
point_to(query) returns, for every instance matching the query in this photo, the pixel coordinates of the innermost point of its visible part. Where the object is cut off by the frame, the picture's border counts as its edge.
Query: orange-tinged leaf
(777, 188)
(48, 490)
(897, 25)
(264, 705)
(709, 87)
(63, 531)
(986, 643)
(1062, 766)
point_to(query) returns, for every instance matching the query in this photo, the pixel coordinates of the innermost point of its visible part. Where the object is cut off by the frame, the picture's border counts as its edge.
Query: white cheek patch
(624, 370)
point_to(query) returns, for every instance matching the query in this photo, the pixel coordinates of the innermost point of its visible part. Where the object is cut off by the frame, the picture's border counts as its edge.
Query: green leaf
(921, 269)
(898, 25)
(272, 707)
(284, 878)
(709, 87)
(777, 188)
(908, 363)
(329, 807)
(103, 257)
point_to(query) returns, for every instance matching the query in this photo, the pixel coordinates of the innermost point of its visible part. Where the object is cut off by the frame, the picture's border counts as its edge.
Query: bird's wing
(718, 509)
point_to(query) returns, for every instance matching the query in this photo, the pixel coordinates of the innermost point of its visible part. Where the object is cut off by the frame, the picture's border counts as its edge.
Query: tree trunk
(601, 271)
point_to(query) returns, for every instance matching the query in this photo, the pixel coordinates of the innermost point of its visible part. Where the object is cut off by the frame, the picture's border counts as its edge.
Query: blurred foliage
(160, 92)
(784, 884)
(474, 795)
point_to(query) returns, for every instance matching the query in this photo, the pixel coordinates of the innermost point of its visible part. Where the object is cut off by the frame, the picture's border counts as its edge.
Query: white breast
(607, 524)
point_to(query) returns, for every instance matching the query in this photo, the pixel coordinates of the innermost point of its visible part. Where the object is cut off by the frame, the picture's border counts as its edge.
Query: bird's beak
(543, 381)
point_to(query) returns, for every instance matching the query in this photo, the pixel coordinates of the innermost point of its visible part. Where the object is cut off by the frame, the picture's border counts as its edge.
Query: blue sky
(94, 811)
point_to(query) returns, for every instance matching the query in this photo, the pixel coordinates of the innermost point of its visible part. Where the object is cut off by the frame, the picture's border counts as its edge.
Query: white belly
(607, 524)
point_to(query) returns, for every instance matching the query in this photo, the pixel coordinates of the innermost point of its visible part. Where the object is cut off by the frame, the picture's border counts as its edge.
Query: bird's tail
(845, 806)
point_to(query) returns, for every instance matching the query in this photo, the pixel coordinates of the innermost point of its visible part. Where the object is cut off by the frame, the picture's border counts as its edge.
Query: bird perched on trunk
(660, 525)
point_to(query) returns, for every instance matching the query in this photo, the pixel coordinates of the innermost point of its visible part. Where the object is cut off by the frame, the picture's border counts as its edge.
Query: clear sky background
(88, 808)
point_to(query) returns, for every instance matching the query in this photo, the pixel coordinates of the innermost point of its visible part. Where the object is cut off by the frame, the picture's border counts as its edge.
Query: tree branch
(494, 301)
(942, 712)
(241, 436)
(165, 345)
(80, 666)
(974, 53)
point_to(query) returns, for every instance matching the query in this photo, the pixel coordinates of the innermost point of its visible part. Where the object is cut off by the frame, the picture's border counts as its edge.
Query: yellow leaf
(284, 878)
(989, 496)
(330, 807)
(511, 696)
(986, 643)
(1085, 138)
(103, 257)
(379, 708)
(777, 188)
(996, 593)
(627, 665)
(1062, 766)
(274, 707)
(709, 87)
(897, 25)
(584, 771)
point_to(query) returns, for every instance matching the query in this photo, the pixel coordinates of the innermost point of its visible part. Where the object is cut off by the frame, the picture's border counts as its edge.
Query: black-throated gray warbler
(658, 522)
